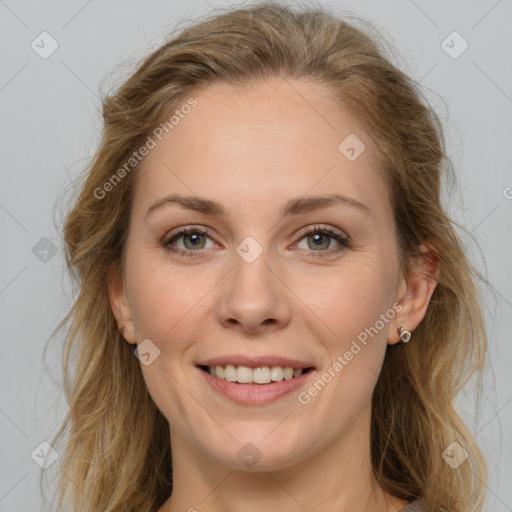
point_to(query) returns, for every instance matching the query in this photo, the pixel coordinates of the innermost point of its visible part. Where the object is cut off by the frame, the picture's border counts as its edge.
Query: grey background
(50, 126)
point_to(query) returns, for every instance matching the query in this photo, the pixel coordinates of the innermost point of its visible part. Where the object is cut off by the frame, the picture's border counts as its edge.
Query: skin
(252, 150)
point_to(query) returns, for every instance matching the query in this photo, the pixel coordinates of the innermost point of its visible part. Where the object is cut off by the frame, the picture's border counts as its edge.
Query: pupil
(319, 240)
(195, 238)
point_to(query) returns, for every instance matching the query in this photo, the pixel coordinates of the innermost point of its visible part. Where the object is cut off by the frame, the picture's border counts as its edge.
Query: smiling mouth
(261, 375)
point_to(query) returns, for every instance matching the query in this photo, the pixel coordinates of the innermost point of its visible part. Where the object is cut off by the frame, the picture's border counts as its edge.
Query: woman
(275, 312)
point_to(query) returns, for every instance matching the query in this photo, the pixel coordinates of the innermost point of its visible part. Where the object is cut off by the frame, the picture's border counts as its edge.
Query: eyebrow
(295, 206)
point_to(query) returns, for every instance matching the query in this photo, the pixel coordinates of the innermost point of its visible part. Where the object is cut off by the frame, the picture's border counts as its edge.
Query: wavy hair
(116, 453)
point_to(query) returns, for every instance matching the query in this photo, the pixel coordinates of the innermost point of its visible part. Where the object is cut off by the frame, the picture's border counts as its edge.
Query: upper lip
(255, 362)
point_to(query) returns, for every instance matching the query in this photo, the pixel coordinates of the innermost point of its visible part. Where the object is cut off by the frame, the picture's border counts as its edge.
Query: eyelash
(344, 241)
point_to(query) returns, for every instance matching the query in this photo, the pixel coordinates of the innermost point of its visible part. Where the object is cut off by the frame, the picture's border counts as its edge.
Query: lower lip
(255, 394)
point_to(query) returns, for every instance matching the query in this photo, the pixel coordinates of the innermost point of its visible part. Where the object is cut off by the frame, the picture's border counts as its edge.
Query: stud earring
(405, 335)
(123, 330)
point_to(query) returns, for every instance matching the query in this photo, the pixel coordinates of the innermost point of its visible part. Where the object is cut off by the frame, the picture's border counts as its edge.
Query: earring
(123, 330)
(405, 335)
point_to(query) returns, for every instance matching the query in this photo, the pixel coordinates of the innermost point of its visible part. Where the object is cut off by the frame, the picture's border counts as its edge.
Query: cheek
(167, 308)
(167, 301)
(345, 311)
(345, 300)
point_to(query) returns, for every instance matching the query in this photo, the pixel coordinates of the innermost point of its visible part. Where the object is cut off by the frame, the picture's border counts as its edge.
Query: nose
(254, 297)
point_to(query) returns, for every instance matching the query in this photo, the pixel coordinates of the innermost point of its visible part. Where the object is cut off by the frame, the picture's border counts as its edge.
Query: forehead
(269, 142)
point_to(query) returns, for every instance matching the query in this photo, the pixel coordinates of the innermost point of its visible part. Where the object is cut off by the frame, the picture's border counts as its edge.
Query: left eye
(318, 240)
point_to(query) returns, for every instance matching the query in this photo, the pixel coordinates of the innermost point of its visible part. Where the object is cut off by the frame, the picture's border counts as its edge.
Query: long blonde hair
(116, 453)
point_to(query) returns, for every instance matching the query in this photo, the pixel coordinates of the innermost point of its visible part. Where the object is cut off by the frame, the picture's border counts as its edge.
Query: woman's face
(262, 284)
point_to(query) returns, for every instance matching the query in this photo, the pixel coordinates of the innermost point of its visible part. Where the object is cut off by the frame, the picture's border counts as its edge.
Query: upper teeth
(261, 375)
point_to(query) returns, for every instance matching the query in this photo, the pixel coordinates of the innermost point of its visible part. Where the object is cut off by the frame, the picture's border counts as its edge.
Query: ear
(414, 292)
(119, 302)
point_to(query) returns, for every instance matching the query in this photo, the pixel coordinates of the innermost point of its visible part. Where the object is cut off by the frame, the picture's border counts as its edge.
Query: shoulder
(414, 506)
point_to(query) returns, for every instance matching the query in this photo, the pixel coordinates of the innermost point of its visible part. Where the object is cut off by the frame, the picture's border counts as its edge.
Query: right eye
(192, 245)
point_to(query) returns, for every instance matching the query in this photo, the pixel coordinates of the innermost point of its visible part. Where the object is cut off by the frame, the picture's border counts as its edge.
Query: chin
(255, 450)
